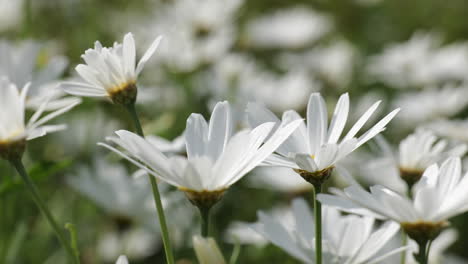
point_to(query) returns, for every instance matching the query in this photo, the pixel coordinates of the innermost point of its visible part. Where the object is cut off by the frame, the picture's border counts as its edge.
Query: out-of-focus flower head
(290, 28)
(28, 61)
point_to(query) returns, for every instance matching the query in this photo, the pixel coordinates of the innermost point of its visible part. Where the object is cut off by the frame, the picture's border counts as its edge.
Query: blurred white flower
(216, 159)
(207, 250)
(438, 196)
(11, 13)
(291, 28)
(315, 148)
(137, 243)
(347, 239)
(419, 62)
(332, 64)
(424, 106)
(86, 131)
(111, 71)
(240, 79)
(278, 179)
(24, 62)
(241, 232)
(198, 32)
(454, 129)
(12, 115)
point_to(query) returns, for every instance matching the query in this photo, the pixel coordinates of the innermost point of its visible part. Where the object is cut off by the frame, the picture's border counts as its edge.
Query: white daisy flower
(111, 72)
(14, 132)
(313, 150)
(454, 129)
(421, 149)
(439, 195)
(347, 239)
(215, 160)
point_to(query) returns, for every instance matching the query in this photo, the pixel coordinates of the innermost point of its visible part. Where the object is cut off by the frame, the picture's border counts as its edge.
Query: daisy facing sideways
(438, 196)
(216, 157)
(14, 132)
(313, 150)
(111, 72)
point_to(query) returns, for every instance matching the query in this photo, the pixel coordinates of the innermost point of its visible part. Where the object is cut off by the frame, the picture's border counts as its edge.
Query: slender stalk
(205, 223)
(318, 224)
(43, 208)
(423, 252)
(156, 195)
(235, 253)
(404, 239)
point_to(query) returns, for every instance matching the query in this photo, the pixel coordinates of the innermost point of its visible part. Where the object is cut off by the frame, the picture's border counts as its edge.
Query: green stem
(156, 195)
(423, 252)
(205, 223)
(132, 111)
(235, 253)
(43, 208)
(318, 224)
(404, 239)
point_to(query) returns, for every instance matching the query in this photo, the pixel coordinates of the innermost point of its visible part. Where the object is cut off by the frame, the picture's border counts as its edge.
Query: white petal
(82, 89)
(339, 119)
(147, 55)
(317, 120)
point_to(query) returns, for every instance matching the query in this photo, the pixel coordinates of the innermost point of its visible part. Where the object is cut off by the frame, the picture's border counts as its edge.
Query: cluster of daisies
(431, 188)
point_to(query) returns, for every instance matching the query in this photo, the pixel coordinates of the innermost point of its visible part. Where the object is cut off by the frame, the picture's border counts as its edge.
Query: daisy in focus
(347, 239)
(216, 157)
(14, 132)
(313, 150)
(111, 72)
(439, 195)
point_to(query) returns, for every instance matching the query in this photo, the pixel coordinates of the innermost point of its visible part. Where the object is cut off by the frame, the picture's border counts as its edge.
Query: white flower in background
(241, 232)
(122, 260)
(315, 148)
(13, 128)
(240, 79)
(419, 62)
(111, 72)
(439, 195)
(112, 188)
(429, 106)
(454, 129)
(137, 243)
(215, 160)
(278, 179)
(11, 14)
(347, 239)
(207, 250)
(128, 197)
(291, 28)
(197, 32)
(86, 131)
(332, 64)
(28, 62)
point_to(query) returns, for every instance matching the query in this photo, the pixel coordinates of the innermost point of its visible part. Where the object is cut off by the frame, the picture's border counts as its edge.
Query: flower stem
(404, 239)
(423, 252)
(156, 195)
(43, 208)
(318, 224)
(205, 223)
